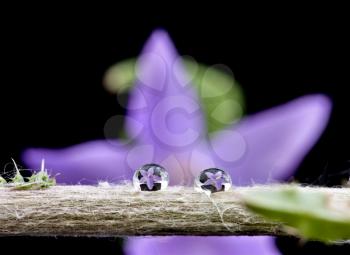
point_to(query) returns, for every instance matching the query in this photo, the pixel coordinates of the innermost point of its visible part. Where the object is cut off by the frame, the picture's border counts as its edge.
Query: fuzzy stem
(121, 211)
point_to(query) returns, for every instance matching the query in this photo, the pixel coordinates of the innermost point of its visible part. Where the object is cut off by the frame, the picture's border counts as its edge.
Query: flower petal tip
(160, 43)
(159, 33)
(319, 101)
(31, 157)
(318, 109)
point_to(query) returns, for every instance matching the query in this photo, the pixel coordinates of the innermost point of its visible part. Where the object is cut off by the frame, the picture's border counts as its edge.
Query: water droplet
(151, 177)
(213, 180)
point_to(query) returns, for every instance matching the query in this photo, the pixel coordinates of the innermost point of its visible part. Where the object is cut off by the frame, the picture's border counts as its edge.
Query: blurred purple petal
(184, 165)
(276, 140)
(171, 114)
(86, 163)
(262, 245)
(270, 145)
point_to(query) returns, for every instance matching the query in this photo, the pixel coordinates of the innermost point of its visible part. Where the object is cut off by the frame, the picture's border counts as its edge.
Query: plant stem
(121, 211)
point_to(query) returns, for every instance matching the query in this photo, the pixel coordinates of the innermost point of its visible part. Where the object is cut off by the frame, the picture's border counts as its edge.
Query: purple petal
(209, 175)
(144, 173)
(262, 245)
(270, 145)
(157, 178)
(150, 171)
(218, 184)
(218, 175)
(86, 163)
(150, 183)
(171, 117)
(143, 180)
(208, 182)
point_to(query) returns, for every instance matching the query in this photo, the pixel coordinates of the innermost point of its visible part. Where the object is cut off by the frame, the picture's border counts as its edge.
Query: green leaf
(314, 215)
(221, 96)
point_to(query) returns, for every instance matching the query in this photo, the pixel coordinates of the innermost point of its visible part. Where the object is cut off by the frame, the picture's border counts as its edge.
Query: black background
(53, 63)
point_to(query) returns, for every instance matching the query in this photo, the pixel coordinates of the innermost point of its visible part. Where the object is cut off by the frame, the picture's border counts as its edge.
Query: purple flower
(167, 127)
(215, 179)
(148, 178)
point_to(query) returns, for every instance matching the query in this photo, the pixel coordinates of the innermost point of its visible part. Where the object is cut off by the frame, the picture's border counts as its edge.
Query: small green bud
(2, 180)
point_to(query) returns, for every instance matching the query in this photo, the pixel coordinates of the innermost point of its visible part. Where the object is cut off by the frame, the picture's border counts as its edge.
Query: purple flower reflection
(215, 179)
(149, 178)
